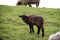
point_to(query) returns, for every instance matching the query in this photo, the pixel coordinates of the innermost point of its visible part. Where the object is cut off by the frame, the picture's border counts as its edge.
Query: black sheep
(34, 20)
(28, 2)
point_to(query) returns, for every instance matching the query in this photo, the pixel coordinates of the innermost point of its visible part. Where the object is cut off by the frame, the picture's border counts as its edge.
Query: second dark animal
(28, 2)
(34, 20)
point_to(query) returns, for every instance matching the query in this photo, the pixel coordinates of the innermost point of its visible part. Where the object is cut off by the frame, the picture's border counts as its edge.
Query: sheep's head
(18, 3)
(23, 16)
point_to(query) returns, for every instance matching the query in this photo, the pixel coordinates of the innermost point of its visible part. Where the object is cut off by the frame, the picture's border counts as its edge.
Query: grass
(13, 28)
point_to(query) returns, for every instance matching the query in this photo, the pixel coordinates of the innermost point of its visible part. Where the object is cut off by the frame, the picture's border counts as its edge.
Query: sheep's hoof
(42, 35)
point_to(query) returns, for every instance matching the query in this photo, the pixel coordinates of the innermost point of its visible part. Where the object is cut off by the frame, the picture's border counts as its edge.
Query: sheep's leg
(25, 4)
(42, 31)
(37, 4)
(38, 30)
(31, 28)
(29, 4)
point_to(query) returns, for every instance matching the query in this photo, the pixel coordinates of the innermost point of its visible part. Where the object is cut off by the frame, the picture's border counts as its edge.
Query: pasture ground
(13, 28)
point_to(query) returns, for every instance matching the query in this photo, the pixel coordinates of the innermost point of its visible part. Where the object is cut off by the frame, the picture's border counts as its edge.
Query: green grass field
(13, 28)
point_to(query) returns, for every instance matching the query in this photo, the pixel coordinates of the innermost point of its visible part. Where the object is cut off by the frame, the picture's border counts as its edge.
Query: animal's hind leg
(42, 30)
(37, 4)
(38, 30)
